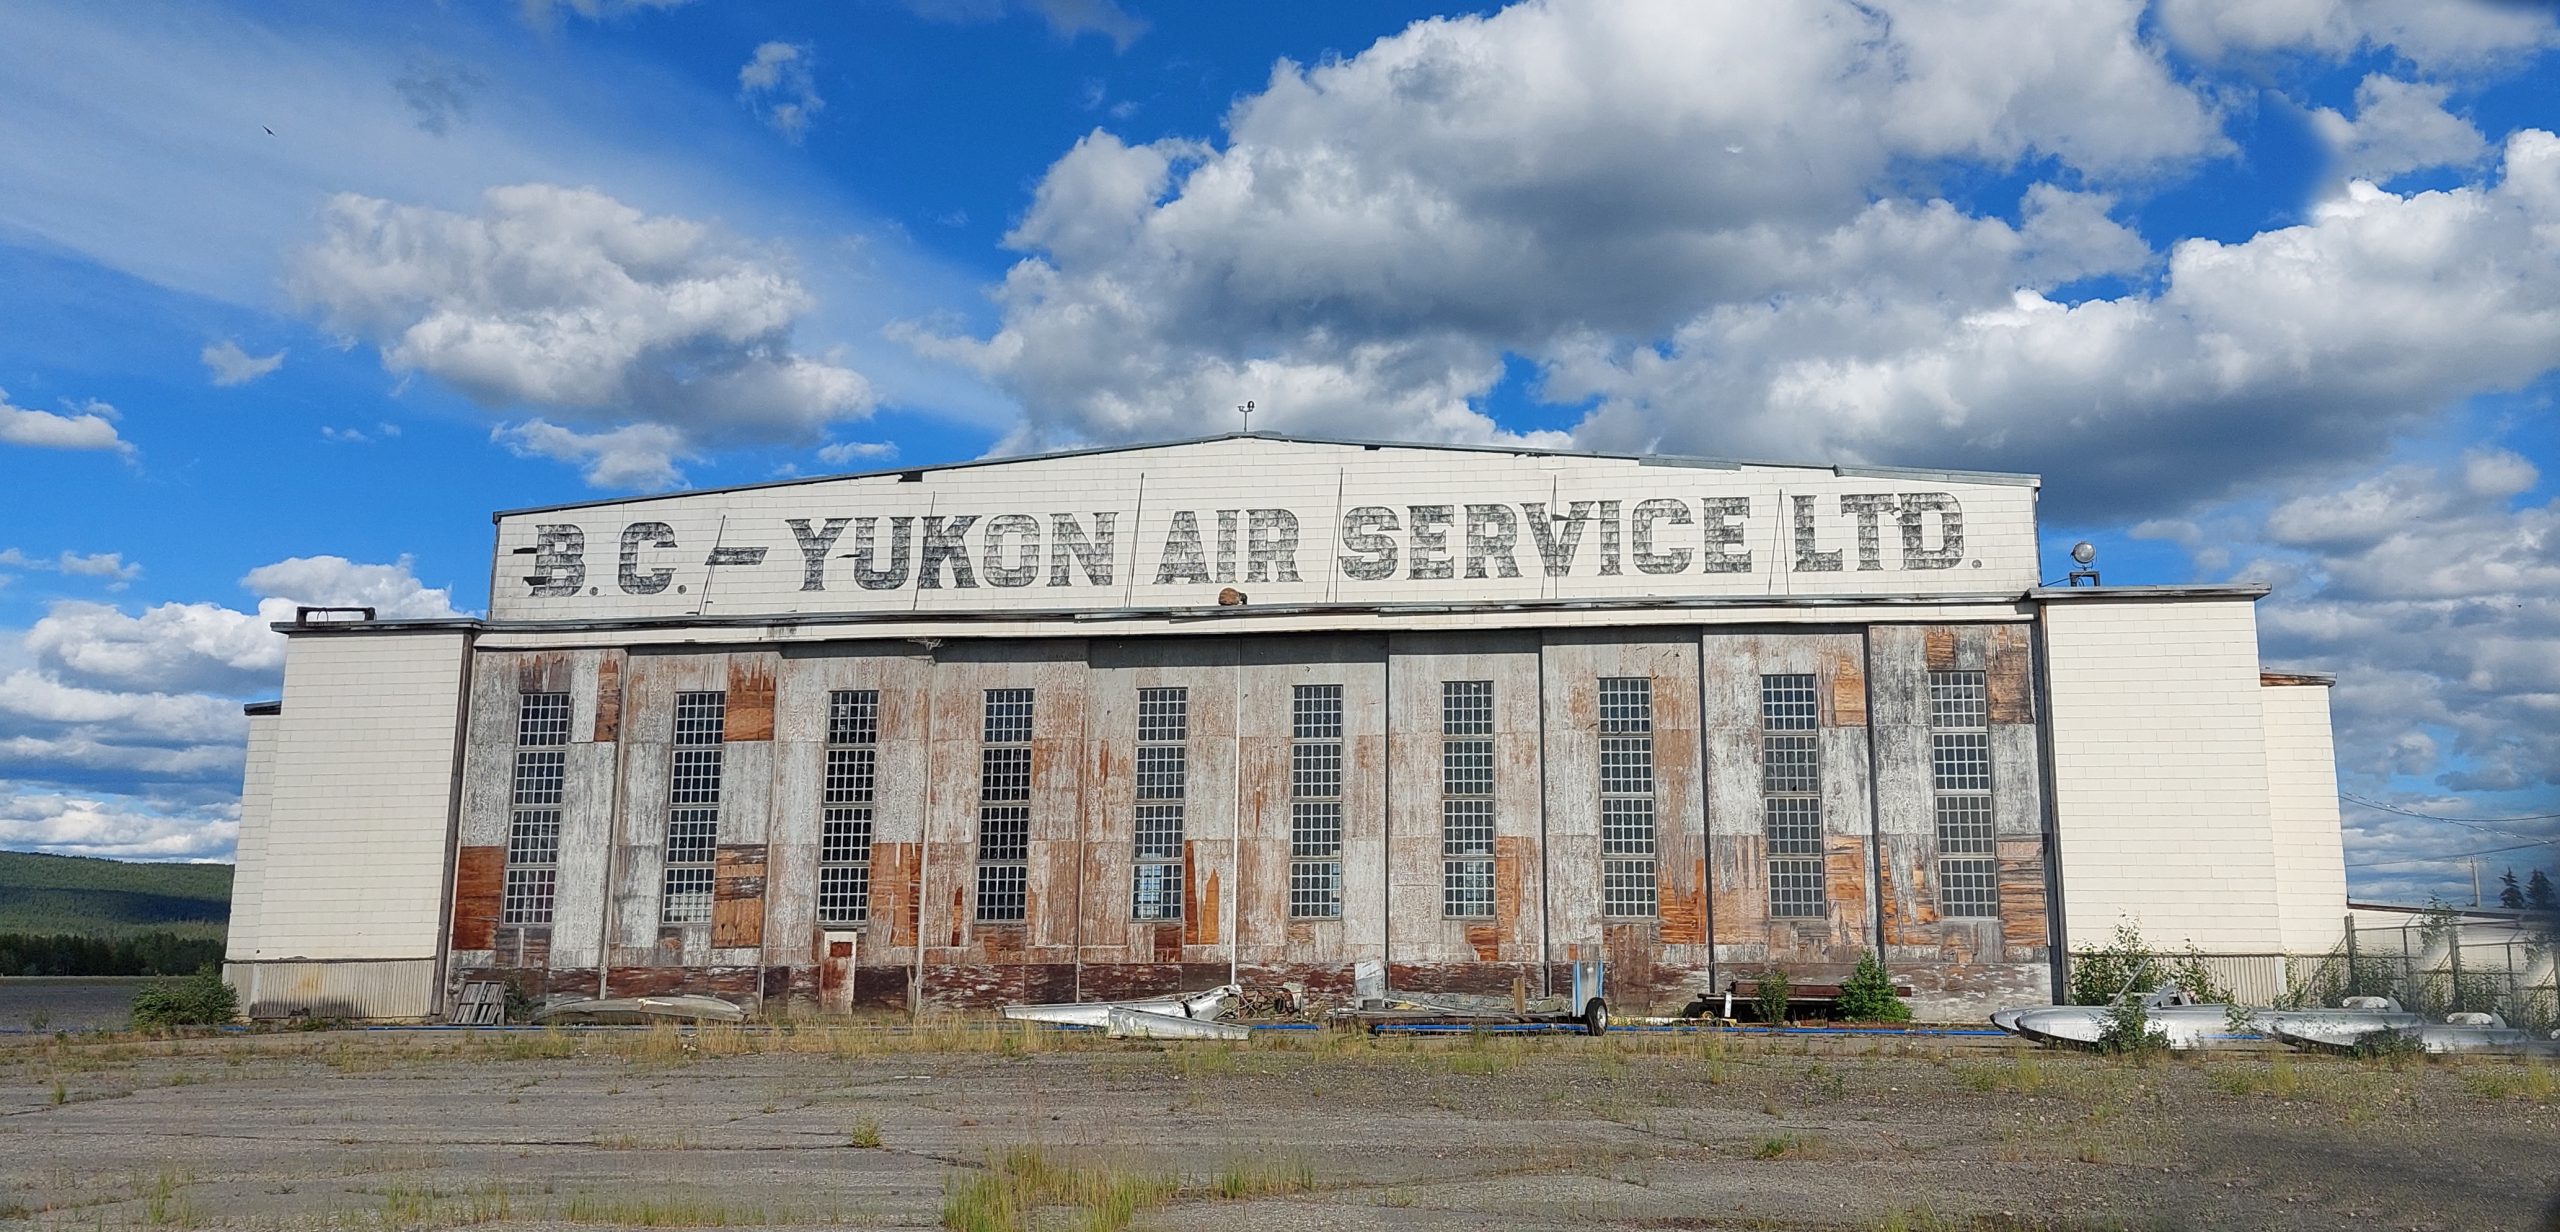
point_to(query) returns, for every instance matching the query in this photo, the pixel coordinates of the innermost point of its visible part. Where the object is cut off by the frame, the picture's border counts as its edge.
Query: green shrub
(1867, 996)
(2129, 1032)
(1772, 1000)
(2100, 976)
(199, 1000)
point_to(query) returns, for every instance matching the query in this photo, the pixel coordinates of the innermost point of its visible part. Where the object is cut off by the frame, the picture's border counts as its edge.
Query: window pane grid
(1466, 707)
(1162, 771)
(528, 896)
(1626, 703)
(1960, 770)
(1315, 801)
(1791, 792)
(1004, 808)
(701, 718)
(694, 778)
(1466, 888)
(1163, 777)
(1627, 830)
(853, 716)
(1795, 887)
(1960, 761)
(1008, 717)
(688, 895)
(1466, 768)
(1316, 712)
(542, 719)
(537, 793)
(1315, 888)
(1164, 716)
(844, 806)
(1627, 887)
(693, 812)
(1958, 700)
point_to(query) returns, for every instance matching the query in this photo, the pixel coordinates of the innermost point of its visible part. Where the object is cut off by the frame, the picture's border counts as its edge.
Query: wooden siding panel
(479, 889)
(737, 895)
(751, 689)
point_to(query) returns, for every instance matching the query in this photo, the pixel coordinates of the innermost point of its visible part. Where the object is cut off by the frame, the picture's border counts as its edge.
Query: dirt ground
(972, 1127)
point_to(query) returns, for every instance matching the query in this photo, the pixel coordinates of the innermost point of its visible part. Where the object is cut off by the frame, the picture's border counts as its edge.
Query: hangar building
(1118, 721)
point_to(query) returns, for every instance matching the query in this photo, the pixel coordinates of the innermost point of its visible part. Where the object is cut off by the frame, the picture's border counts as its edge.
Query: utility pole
(2475, 882)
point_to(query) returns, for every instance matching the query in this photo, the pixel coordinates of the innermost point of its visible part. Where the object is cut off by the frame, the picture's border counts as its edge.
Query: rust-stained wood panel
(479, 887)
(2007, 676)
(1684, 910)
(1909, 910)
(609, 699)
(547, 671)
(1938, 648)
(1841, 664)
(1167, 945)
(2022, 899)
(1485, 938)
(750, 715)
(1844, 867)
(896, 876)
(737, 895)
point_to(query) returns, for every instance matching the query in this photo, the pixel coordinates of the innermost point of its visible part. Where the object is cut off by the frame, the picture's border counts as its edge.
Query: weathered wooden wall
(1955, 962)
(1079, 940)
(1811, 949)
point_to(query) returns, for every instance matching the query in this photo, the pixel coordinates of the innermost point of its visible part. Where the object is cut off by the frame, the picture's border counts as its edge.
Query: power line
(2459, 821)
(2458, 855)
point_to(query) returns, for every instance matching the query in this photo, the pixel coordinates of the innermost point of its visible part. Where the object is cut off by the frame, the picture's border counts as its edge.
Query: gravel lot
(860, 1128)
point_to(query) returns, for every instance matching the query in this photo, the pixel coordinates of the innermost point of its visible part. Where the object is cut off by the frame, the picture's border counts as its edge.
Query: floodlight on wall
(2085, 555)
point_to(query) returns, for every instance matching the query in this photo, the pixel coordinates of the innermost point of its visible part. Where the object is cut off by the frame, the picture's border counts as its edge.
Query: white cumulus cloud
(635, 456)
(1373, 234)
(778, 84)
(227, 364)
(91, 425)
(571, 301)
(2399, 126)
(114, 826)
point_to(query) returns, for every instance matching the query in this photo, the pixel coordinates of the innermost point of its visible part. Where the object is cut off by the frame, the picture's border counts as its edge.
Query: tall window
(844, 820)
(1791, 793)
(1466, 798)
(1627, 874)
(1004, 808)
(1960, 771)
(533, 827)
(1315, 801)
(1164, 764)
(693, 806)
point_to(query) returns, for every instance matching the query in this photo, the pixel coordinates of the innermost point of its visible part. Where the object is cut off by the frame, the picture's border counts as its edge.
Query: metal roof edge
(2007, 478)
(257, 710)
(1202, 613)
(2221, 590)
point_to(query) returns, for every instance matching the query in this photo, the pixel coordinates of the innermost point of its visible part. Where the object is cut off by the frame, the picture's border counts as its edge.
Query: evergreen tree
(2510, 895)
(2538, 894)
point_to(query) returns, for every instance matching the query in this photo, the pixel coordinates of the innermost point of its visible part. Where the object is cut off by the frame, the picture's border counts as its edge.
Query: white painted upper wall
(249, 858)
(2302, 793)
(1287, 522)
(359, 799)
(2160, 772)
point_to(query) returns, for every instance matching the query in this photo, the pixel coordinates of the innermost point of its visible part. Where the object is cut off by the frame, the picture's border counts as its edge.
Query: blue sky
(299, 292)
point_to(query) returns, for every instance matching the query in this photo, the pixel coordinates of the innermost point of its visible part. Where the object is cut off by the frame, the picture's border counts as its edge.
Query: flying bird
(270, 132)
